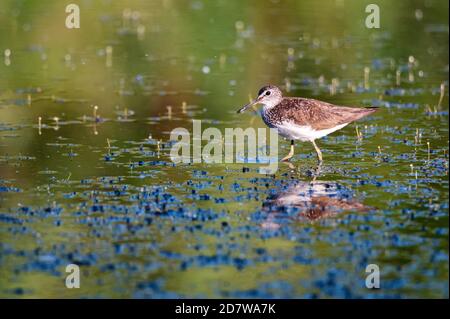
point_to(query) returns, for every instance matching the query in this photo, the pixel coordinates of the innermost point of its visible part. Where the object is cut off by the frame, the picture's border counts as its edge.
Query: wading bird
(303, 119)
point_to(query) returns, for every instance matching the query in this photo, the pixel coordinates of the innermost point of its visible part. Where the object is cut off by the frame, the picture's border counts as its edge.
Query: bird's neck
(271, 103)
(269, 106)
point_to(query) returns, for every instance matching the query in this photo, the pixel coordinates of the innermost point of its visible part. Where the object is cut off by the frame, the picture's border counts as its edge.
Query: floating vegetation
(109, 52)
(441, 97)
(7, 57)
(56, 119)
(398, 78)
(366, 77)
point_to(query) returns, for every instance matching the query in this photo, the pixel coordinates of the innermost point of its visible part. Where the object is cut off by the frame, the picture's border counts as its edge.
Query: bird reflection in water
(309, 201)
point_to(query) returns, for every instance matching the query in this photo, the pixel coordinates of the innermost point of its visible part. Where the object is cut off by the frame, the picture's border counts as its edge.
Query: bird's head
(268, 95)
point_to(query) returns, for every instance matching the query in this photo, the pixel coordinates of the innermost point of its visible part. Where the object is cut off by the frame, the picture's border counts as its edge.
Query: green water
(66, 196)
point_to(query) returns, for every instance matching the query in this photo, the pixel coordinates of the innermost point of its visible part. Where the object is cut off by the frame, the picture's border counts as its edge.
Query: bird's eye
(267, 92)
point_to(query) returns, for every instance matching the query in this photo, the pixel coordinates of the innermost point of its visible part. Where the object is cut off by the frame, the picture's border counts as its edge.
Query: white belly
(304, 133)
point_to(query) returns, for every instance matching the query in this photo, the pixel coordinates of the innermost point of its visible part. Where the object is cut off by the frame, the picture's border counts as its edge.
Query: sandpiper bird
(303, 119)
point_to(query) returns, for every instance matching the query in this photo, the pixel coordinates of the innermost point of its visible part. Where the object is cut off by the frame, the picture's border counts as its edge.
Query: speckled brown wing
(317, 114)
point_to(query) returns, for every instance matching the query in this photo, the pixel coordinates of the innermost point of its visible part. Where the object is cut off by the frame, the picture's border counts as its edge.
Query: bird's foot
(289, 164)
(289, 156)
(291, 153)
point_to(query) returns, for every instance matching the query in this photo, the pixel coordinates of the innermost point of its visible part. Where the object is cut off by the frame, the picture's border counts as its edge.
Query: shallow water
(101, 191)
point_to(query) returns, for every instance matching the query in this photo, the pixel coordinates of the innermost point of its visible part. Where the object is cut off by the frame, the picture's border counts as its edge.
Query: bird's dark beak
(255, 101)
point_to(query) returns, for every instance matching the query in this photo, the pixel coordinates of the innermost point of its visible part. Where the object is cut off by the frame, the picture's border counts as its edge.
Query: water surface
(100, 191)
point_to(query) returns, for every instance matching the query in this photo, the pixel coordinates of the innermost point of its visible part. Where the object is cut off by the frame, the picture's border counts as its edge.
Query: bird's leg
(317, 172)
(319, 153)
(291, 152)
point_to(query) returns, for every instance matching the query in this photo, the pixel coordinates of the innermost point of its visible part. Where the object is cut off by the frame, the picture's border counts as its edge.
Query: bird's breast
(268, 117)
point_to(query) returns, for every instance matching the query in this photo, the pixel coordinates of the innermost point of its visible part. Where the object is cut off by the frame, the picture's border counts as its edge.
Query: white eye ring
(267, 93)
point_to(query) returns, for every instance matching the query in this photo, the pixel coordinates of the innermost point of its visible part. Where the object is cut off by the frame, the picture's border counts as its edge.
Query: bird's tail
(369, 110)
(358, 113)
